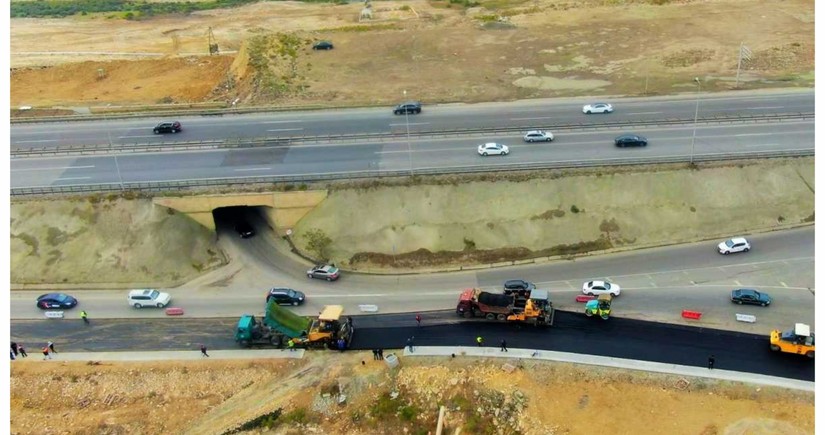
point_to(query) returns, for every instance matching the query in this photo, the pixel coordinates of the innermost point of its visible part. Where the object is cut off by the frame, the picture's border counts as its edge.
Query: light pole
(695, 117)
(409, 146)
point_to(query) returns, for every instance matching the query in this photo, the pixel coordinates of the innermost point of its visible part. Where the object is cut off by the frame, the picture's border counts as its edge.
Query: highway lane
(657, 284)
(572, 332)
(542, 113)
(419, 153)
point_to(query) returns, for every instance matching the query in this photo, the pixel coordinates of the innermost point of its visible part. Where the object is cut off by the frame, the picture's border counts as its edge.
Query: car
(750, 296)
(493, 148)
(56, 300)
(630, 140)
(408, 107)
(597, 108)
(148, 298)
(519, 286)
(167, 127)
(538, 136)
(285, 296)
(324, 271)
(736, 244)
(595, 288)
(244, 229)
(323, 45)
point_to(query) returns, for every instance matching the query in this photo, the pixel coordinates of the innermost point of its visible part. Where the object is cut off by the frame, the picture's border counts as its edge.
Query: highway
(538, 113)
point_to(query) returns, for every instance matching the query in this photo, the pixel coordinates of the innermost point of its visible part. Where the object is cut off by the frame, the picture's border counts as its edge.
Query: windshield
(607, 286)
(729, 243)
(291, 293)
(332, 269)
(154, 294)
(62, 298)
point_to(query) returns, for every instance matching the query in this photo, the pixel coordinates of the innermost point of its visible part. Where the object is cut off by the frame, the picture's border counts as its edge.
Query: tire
(490, 316)
(747, 249)
(726, 253)
(138, 306)
(588, 112)
(503, 154)
(775, 348)
(418, 111)
(764, 304)
(588, 314)
(468, 314)
(294, 303)
(616, 295)
(160, 305)
(529, 140)
(244, 343)
(739, 302)
(484, 154)
(501, 317)
(810, 354)
(329, 279)
(155, 131)
(309, 275)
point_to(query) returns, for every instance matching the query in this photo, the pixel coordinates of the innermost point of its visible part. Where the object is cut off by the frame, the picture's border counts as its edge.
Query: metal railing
(195, 184)
(384, 137)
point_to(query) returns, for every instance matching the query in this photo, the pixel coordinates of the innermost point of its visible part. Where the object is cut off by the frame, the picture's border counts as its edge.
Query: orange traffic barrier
(174, 311)
(584, 298)
(687, 314)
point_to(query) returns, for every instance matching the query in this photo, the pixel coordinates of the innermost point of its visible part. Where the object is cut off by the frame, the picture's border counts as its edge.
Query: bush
(574, 209)
(318, 242)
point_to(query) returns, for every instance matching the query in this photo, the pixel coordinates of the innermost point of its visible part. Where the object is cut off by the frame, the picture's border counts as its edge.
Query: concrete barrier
(54, 314)
(748, 318)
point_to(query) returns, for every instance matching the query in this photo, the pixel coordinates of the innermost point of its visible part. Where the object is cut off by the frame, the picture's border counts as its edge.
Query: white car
(736, 244)
(597, 108)
(148, 298)
(596, 288)
(493, 148)
(538, 136)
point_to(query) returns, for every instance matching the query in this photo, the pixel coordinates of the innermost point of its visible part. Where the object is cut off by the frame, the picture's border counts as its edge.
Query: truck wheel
(275, 340)
(468, 314)
(490, 316)
(810, 354)
(501, 317)
(244, 343)
(588, 314)
(775, 348)
(138, 306)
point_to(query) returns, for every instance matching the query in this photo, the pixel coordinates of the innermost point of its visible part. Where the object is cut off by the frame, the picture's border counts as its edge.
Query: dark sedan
(750, 296)
(244, 230)
(518, 286)
(630, 140)
(56, 300)
(167, 127)
(323, 45)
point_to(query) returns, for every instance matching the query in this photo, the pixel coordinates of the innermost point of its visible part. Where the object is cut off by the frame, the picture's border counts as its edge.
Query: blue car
(56, 300)
(750, 296)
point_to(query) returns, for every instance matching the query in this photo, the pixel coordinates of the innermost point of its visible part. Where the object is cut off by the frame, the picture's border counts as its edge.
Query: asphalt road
(539, 113)
(572, 332)
(419, 153)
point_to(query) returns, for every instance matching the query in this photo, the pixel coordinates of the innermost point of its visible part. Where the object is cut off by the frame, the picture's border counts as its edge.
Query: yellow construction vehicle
(799, 340)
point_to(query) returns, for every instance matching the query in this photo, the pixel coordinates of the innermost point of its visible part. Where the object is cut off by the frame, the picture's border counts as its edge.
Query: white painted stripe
(281, 122)
(73, 178)
(738, 283)
(365, 295)
(754, 134)
(531, 119)
(36, 141)
(55, 168)
(286, 129)
(643, 113)
(130, 137)
(253, 169)
(766, 107)
(783, 284)
(412, 123)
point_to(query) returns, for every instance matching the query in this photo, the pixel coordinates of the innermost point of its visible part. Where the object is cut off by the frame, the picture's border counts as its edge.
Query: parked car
(596, 288)
(518, 286)
(51, 301)
(630, 140)
(168, 127)
(408, 107)
(148, 298)
(324, 271)
(597, 108)
(323, 45)
(750, 296)
(538, 136)
(493, 148)
(285, 296)
(244, 229)
(736, 244)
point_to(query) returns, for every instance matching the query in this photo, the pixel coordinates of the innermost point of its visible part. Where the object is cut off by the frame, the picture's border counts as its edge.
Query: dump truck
(279, 325)
(530, 307)
(799, 340)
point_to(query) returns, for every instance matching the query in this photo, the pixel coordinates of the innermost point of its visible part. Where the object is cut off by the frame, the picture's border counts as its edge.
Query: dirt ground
(499, 219)
(538, 398)
(541, 48)
(83, 241)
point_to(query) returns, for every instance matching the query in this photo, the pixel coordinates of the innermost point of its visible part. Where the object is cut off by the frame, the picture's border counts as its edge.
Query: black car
(518, 286)
(750, 296)
(285, 296)
(322, 45)
(408, 107)
(631, 140)
(167, 127)
(244, 229)
(56, 300)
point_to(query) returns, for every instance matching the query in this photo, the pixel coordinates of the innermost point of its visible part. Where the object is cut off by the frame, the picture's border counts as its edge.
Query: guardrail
(383, 137)
(183, 185)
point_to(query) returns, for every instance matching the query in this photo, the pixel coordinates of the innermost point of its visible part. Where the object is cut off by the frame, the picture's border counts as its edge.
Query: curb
(177, 355)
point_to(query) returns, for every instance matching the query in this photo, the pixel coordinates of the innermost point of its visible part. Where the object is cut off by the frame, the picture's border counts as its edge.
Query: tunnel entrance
(239, 221)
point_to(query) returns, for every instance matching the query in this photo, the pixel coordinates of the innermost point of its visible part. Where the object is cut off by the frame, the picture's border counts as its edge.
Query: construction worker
(504, 345)
(480, 341)
(291, 345)
(46, 353)
(418, 319)
(84, 317)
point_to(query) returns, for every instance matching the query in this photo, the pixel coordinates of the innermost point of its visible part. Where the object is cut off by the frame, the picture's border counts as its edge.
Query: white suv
(148, 298)
(736, 244)
(538, 136)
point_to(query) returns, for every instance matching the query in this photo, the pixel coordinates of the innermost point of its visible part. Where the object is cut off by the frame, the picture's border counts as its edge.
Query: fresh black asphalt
(572, 332)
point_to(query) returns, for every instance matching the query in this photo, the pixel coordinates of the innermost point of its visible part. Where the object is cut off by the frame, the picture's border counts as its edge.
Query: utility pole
(409, 146)
(695, 118)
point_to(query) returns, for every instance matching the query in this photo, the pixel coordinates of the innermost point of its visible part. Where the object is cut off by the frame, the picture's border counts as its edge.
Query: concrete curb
(179, 355)
(726, 375)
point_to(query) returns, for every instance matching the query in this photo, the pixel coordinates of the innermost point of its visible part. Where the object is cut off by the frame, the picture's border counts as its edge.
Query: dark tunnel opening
(241, 221)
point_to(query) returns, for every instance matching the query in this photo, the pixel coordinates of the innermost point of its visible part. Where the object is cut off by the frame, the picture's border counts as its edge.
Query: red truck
(534, 306)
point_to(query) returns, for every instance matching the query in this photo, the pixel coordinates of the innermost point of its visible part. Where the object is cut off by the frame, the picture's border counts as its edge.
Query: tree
(318, 242)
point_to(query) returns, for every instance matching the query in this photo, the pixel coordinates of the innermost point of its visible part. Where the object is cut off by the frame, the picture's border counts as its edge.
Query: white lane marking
(754, 145)
(253, 169)
(286, 129)
(643, 113)
(131, 137)
(753, 134)
(36, 141)
(766, 107)
(783, 284)
(54, 168)
(412, 123)
(73, 178)
(738, 283)
(531, 119)
(281, 122)
(366, 295)
(713, 286)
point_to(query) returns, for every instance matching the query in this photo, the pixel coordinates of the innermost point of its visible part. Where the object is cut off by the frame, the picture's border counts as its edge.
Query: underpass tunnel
(230, 220)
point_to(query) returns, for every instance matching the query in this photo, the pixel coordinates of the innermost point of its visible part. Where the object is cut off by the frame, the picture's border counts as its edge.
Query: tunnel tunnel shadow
(239, 219)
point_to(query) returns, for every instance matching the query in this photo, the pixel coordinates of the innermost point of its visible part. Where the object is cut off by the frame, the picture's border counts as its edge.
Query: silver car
(597, 108)
(538, 136)
(494, 149)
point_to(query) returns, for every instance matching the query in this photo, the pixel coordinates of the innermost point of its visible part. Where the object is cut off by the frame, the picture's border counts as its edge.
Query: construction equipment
(279, 325)
(530, 307)
(599, 307)
(799, 340)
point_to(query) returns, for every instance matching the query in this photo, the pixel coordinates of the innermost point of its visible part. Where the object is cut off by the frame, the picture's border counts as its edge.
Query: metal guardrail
(190, 184)
(382, 137)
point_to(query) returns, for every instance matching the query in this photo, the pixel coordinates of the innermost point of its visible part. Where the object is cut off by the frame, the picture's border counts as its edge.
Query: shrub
(574, 209)
(318, 242)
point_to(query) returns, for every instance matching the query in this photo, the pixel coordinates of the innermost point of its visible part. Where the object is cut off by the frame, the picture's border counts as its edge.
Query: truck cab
(799, 340)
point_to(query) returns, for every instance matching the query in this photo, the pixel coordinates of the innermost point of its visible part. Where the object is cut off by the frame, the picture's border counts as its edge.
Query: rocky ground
(332, 393)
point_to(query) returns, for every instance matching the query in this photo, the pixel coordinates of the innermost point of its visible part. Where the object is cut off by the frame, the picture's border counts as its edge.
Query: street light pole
(695, 118)
(409, 146)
